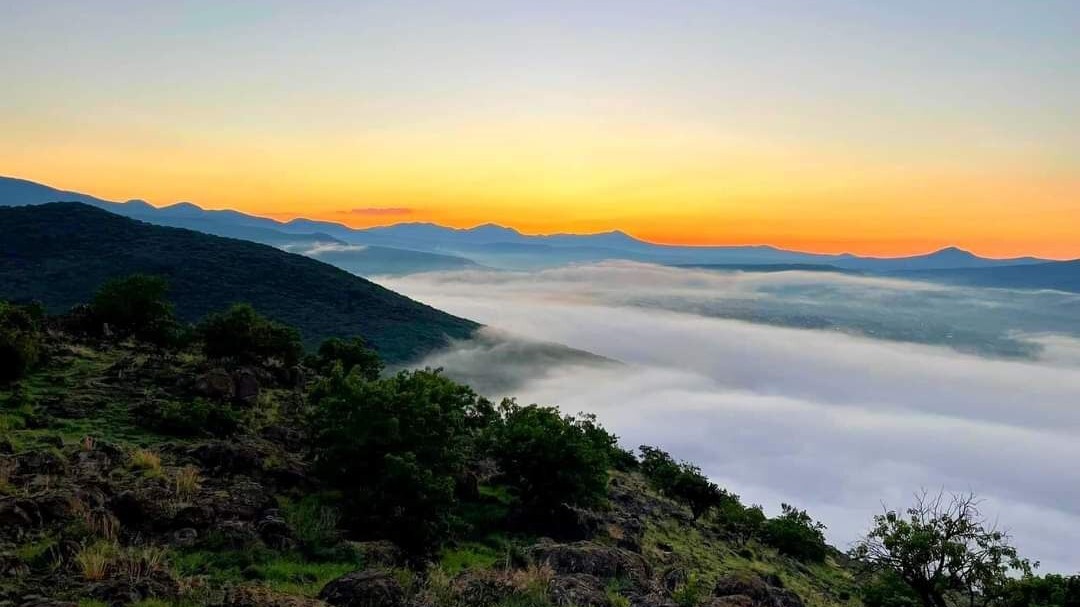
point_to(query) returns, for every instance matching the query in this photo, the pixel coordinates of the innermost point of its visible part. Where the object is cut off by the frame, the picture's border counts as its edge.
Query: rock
(257, 596)
(604, 562)
(227, 456)
(482, 588)
(12, 567)
(185, 537)
(367, 588)
(734, 600)
(216, 384)
(129, 509)
(194, 516)
(246, 386)
(244, 499)
(579, 589)
(380, 553)
(289, 438)
(273, 530)
(14, 520)
(40, 462)
(757, 589)
(34, 600)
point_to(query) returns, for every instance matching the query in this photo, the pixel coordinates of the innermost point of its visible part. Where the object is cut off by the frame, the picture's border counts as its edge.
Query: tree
(682, 481)
(393, 447)
(795, 534)
(353, 356)
(20, 341)
(944, 550)
(136, 306)
(551, 460)
(243, 335)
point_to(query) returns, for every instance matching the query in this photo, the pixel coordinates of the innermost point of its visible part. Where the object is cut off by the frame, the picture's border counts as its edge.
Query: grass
(94, 560)
(287, 572)
(147, 461)
(187, 482)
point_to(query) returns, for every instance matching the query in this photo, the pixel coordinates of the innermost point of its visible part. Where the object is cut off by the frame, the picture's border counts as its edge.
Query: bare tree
(943, 549)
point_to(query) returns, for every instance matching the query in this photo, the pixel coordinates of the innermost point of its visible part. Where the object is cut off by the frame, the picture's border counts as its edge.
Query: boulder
(579, 589)
(482, 588)
(604, 562)
(367, 588)
(258, 596)
(246, 385)
(216, 384)
(40, 462)
(757, 589)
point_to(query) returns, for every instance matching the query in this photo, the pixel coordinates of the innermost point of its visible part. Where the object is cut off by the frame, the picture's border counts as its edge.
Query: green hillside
(59, 253)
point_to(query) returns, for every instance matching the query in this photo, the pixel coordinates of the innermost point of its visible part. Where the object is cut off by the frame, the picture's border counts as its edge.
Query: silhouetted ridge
(59, 253)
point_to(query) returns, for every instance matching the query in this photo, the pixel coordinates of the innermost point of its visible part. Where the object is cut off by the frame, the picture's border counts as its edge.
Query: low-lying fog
(833, 392)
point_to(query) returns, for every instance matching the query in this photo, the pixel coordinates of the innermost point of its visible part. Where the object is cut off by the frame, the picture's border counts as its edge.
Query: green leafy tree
(353, 355)
(136, 306)
(20, 341)
(682, 481)
(944, 550)
(243, 335)
(551, 460)
(1049, 590)
(393, 447)
(795, 534)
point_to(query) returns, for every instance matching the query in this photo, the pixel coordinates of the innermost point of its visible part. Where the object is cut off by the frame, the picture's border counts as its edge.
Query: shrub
(682, 481)
(193, 418)
(549, 459)
(354, 357)
(243, 335)
(95, 559)
(136, 306)
(20, 341)
(393, 447)
(795, 534)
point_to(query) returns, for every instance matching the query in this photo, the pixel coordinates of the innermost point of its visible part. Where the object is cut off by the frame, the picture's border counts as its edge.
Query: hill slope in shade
(59, 253)
(1059, 276)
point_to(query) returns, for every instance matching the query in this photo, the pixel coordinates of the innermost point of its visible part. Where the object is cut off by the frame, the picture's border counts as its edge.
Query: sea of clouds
(836, 393)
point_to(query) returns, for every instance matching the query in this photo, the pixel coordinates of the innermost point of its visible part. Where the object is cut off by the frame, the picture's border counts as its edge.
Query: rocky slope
(108, 496)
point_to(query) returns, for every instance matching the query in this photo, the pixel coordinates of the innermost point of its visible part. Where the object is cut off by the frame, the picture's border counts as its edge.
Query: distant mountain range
(417, 247)
(59, 253)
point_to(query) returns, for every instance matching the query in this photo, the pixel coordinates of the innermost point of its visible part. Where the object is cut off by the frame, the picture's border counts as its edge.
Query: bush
(20, 341)
(549, 459)
(393, 447)
(194, 418)
(243, 335)
(682, 481)
(795, 534)
(352, 355)
(136, 306)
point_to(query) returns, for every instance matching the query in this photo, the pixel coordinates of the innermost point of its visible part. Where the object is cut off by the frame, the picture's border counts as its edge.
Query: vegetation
(682, 481)
(136, 306)
(796, 534)
(20, 341)
(549, 459)
(242, 335)
(394, 447)
(944, 551)
(353, 355)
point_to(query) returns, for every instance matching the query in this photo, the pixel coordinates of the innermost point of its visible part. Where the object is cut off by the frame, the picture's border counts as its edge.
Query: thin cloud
(378, 211)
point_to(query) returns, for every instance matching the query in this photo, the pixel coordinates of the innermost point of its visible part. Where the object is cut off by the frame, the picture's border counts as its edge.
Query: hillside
(1059, 276)
(59, 253)
(129, 477)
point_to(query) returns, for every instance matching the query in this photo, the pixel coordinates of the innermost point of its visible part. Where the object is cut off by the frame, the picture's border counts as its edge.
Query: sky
(871, 127)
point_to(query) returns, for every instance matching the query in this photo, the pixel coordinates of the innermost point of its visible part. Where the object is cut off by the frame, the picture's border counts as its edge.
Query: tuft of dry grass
(187, 482)
(94, 560)
(146, 460)
(88, 443)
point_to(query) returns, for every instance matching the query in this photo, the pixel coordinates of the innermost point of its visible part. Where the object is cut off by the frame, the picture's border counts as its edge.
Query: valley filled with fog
(834, 392)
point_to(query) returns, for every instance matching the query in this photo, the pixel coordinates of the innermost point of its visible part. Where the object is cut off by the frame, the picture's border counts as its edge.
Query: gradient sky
(872, 127)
